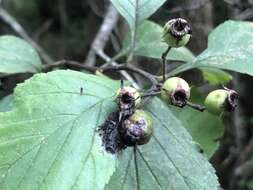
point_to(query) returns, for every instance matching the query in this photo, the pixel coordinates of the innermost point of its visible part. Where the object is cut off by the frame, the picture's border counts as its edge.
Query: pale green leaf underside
(204, 128)
(6, 103)
(17, 56)
(170, 161)
(230, 47)
(128, 9)
(215, 76)
(149, 44)
(48, 139)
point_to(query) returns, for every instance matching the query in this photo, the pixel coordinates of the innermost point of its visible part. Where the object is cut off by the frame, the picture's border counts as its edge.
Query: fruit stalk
(164, 55)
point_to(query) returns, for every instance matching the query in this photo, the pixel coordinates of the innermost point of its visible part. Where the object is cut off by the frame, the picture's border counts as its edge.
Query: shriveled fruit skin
(137, 129)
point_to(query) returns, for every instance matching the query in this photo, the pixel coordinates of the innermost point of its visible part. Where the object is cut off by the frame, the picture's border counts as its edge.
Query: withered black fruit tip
(179, 98)
(180, 27)
(231, 101)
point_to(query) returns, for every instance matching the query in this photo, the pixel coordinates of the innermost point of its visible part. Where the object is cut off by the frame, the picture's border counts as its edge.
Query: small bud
(137, 129)
(175, 91)
(176, 32)
(221, 100)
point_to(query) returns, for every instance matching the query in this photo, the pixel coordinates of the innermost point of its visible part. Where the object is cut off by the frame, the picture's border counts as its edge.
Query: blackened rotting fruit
(137, 129)
(117, 133)
(111, 139)
(127, 126)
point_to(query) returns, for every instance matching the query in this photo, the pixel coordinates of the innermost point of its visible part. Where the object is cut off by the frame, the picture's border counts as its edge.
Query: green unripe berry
(128, 97)
(221, 100)
(137, 129)
(215, 100)
(176, 32)
(175, 91)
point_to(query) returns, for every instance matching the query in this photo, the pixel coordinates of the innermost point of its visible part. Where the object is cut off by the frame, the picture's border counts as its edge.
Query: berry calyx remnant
(128, 98)
(176, 32)
(176, 91)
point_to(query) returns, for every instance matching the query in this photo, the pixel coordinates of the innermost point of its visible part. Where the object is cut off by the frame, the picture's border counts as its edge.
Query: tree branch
(8, 19)
(118, 68)
(102, 37)
(69, 64)
(246, 14)
(113, 63)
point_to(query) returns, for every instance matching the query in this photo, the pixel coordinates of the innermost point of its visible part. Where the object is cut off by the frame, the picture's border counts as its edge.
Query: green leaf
(6, 103)
(229, 47)
(216, 76)
(136, 11)
(48, 139)
(204, 128)
(17, 56)
(149, 44)
(169, 161)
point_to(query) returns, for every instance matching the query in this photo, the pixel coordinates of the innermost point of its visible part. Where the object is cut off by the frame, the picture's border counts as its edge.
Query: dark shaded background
(66, 29)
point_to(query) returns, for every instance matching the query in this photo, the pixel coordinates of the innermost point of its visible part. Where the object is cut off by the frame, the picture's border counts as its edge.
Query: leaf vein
(149, 168)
